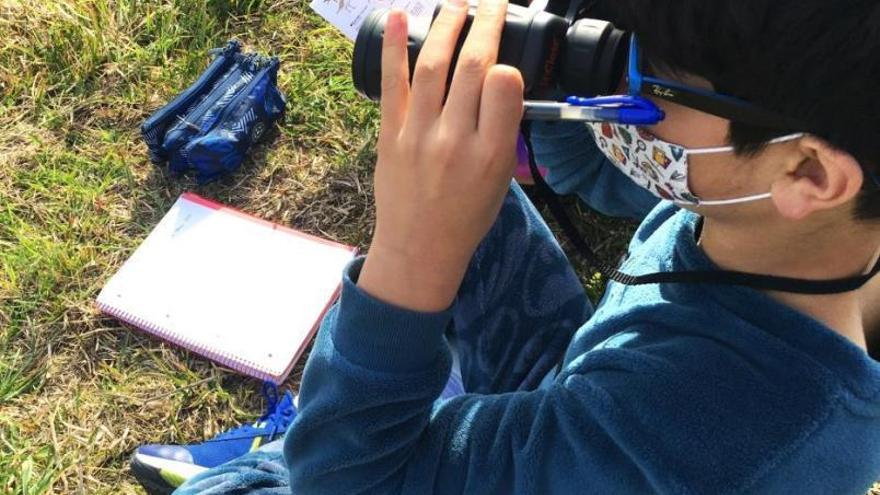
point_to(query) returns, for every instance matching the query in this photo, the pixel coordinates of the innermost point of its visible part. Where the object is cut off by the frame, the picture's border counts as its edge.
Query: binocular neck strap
(718, 277)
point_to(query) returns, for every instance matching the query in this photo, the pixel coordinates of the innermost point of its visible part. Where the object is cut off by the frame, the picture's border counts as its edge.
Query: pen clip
(623, 109)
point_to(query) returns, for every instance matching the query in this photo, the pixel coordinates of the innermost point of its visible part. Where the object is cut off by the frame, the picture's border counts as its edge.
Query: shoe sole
(161, 476)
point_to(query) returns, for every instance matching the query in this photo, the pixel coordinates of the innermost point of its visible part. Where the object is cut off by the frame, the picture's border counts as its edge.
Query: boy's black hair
(815, 60)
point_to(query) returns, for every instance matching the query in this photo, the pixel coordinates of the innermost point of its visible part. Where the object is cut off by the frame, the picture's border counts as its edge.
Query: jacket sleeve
(575, 165)
(368, 421)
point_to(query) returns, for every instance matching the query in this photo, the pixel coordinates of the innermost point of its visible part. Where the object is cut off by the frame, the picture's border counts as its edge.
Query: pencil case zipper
(204, 119)
(235, 125)
(155, 127)
(265, 65)
(182, 131)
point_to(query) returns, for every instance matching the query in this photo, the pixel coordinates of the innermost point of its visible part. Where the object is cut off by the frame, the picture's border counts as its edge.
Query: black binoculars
(556, 55)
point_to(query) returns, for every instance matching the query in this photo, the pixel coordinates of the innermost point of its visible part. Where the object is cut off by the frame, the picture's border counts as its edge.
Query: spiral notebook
(243, 292)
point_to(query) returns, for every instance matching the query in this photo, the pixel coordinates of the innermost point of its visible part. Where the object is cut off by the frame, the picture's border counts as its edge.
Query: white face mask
(658, 166)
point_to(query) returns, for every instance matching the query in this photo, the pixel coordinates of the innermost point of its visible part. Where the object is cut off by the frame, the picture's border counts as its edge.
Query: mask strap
(706, 151)
(726, 149)
(723, 202)
(719, 277)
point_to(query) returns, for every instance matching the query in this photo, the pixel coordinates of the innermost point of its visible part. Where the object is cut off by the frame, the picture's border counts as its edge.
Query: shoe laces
(276, 418)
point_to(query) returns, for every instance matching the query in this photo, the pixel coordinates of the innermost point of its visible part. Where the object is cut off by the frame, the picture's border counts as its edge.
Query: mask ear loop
(717, 277)
(724, 202)
(727, 149)
(724, 149)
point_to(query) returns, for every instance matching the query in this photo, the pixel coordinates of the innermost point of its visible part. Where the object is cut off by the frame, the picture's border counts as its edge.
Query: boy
(670, 388)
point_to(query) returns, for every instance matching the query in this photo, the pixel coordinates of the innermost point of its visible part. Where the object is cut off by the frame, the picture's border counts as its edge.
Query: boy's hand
(443, 168)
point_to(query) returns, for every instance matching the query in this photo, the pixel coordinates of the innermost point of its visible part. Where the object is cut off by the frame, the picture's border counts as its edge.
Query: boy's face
(720, 175)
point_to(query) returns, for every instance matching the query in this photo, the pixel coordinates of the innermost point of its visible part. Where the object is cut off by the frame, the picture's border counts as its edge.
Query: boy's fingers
(432, 67)
(479, 53)
(395, 72)
(501, 108)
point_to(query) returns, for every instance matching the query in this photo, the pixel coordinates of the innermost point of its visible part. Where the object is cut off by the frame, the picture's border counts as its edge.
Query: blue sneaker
(160, 469)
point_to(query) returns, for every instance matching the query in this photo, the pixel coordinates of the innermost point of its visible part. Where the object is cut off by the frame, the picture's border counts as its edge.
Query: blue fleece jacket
(666, 389)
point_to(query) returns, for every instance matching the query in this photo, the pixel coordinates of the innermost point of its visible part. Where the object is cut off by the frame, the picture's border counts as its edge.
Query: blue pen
(633, 110)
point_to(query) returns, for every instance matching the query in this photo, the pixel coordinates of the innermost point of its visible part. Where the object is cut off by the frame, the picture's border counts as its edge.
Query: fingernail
(393, 19)
(396, 18)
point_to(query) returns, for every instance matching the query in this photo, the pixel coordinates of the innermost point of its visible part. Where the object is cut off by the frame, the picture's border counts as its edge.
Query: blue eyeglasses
(635, 109)
(724, 106)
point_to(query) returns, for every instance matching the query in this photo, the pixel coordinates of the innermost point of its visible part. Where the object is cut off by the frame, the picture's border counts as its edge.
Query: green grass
(77, 194)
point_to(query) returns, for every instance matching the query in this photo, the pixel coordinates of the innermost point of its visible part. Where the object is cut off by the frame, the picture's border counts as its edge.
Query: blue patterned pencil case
(209, 128)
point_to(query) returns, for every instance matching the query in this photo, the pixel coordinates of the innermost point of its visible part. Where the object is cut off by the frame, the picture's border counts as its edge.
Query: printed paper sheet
(348, 15)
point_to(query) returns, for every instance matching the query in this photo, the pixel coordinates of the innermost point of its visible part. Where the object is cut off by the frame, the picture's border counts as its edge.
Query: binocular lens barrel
(556, 59)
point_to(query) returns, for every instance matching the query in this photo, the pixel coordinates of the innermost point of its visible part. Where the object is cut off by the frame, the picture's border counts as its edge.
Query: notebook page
(239, 288)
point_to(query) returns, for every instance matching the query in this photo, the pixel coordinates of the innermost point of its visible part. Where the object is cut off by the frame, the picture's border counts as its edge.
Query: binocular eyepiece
(555, 57)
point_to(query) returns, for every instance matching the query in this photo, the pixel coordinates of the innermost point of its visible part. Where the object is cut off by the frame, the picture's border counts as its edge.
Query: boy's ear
(818, 177)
